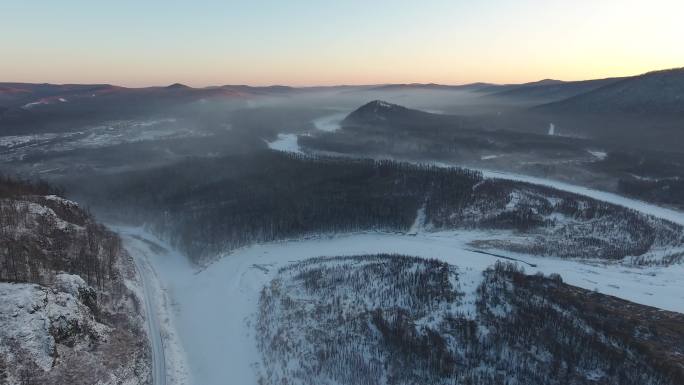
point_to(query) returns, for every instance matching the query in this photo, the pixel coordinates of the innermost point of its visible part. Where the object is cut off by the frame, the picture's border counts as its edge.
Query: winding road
(153, 326)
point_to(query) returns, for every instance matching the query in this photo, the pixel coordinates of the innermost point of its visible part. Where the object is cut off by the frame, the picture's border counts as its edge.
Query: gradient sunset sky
(296, 42)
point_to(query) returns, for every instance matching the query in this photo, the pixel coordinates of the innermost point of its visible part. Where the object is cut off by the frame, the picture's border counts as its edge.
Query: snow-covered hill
(69, 303)
(392, 319)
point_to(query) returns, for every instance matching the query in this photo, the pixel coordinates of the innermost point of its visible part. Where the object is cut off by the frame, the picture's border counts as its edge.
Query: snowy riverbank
(213, 309)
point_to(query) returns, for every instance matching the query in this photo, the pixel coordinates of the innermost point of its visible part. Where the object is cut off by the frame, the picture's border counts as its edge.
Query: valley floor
(213, 309)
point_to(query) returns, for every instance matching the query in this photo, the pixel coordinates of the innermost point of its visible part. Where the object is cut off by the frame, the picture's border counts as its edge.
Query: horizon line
(334, 85)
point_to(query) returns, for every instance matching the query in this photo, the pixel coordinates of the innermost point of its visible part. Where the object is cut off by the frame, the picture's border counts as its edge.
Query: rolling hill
(658, 93)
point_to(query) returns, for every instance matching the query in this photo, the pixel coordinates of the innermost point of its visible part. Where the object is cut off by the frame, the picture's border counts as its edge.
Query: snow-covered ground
(599, 155)
(634, 204)
(109, 134)
(152, 321)
(168, 357)
(214, 307)
(286, 143)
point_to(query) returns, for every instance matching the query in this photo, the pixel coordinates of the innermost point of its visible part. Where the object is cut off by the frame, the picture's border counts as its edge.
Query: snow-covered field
(286, 143)
(213, 309)
(109, 134)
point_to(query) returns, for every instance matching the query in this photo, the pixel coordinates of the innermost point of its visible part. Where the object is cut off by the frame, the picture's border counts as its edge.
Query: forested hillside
(42, 233)
(402, 320)
(67, 312)
(209, 206)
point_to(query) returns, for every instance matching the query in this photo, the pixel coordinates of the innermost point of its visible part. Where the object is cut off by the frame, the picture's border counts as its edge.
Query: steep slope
(379, 116)
(381, 112)
(68, 308)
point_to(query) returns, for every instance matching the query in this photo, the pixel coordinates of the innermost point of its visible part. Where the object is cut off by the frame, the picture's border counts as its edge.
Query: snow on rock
(35, 318)
(62, 201)
(25, 323)
(69, 283)
(35, 212)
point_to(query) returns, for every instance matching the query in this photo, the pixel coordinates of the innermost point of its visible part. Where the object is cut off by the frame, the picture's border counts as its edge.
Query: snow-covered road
(153, 327)
(169, 364)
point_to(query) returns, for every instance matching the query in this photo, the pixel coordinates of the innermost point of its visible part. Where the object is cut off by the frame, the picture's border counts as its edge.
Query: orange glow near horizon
(305, 43)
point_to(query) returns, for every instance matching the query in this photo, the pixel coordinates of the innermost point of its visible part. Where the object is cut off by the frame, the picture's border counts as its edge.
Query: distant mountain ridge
(658, 93)
(430, 86)
(553, 90)
(15, 95)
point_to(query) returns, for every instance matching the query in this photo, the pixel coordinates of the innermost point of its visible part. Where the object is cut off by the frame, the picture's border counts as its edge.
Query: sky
(306, 42)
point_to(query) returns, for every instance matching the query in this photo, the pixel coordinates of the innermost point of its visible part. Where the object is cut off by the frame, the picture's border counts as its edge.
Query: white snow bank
(600, 155)
(286, 143)
(488, 157)
(28, 106)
